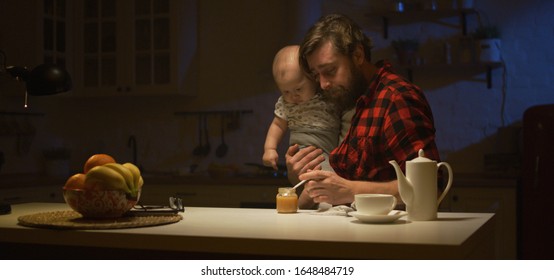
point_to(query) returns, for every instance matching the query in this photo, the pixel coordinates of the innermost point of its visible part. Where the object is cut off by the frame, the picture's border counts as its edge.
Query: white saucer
(389, 218)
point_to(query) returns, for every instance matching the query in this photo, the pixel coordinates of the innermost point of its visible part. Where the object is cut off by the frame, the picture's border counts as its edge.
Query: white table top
(265, 232)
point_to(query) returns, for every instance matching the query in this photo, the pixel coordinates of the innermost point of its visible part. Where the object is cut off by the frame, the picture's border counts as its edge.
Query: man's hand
(327, 186)
(299, 161)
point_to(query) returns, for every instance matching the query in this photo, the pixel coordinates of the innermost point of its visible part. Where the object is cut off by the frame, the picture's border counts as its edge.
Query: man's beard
(345, 97)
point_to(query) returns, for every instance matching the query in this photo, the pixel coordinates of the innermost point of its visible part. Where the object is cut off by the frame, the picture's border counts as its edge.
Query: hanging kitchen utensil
(199, 150)
(222, 148)
(234, 122)
(207, 146)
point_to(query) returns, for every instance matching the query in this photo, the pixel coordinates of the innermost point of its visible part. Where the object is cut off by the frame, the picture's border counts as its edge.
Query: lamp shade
(48, 79)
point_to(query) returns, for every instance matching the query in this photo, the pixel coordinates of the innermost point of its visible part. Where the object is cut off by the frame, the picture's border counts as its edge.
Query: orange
(75, 182)
(96, 160)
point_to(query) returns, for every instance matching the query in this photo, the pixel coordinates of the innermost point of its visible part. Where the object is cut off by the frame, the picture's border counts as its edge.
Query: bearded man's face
(345, 96)
(340, 79)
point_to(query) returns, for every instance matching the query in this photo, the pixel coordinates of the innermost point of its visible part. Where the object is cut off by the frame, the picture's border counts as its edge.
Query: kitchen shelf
(422, 15)
(436, 16)
(471, 69)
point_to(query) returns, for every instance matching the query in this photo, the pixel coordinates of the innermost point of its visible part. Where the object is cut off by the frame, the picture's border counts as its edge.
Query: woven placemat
(74, 220)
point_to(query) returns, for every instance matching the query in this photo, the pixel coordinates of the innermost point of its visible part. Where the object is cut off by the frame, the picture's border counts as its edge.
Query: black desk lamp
(45, 79)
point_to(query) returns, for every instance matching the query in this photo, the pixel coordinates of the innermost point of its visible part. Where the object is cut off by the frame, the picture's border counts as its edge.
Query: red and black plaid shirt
(392, 122)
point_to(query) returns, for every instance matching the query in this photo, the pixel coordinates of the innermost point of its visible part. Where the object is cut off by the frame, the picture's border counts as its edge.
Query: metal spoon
(298, 185)
(207, 146)
(199, 150)
(222, 148)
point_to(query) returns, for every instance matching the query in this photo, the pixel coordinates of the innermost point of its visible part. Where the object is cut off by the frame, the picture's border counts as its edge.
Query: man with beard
(392, 119)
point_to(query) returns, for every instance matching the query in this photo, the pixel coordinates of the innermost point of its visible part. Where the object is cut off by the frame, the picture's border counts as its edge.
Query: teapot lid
(421, 157)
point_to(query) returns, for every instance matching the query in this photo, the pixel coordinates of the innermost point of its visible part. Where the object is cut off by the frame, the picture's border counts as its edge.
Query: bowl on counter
(99, 204)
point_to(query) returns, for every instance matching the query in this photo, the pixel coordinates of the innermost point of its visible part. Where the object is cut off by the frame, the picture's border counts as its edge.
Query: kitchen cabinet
(236, 196)
(35, 32)
(47, 193)
(488, 195)
(239, 192)
(135, 47)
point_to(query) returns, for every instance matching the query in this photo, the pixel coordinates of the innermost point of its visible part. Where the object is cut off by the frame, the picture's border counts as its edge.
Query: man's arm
(325, 186)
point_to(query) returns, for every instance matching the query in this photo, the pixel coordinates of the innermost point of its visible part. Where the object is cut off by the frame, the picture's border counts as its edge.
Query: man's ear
(358, 55)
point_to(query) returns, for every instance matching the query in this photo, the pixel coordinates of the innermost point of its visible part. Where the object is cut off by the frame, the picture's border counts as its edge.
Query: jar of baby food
(287, 201)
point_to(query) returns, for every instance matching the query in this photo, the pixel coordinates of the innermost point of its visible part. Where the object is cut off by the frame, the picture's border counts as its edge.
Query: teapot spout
(405, 188)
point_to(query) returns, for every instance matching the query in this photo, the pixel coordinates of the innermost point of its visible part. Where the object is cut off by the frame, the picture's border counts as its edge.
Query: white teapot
(418, 189)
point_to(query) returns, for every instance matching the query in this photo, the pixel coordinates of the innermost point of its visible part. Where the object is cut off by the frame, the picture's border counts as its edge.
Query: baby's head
(295, 86)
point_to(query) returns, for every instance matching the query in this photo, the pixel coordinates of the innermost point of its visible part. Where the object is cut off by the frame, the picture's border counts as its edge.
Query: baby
(312, 121)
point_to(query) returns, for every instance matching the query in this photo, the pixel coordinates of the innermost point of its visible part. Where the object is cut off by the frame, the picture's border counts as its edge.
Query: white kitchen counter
(245, 233)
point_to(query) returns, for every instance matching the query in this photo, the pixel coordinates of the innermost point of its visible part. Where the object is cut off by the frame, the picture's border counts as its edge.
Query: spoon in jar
(298, 185)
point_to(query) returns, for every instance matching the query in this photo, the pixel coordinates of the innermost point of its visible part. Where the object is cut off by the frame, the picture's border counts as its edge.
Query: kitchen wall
(237, 41)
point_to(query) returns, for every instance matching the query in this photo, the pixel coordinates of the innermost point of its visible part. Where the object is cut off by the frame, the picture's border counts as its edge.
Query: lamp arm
(18, 72)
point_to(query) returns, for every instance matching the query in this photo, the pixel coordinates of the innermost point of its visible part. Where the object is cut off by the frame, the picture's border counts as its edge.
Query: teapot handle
(449, 184)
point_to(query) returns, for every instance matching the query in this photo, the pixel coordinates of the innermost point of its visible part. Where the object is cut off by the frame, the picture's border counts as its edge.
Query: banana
(136, 173)
(125, 172)
(140, 182)
(107, 178)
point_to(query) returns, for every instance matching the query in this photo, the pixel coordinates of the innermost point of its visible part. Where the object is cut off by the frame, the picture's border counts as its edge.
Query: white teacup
(374, 204)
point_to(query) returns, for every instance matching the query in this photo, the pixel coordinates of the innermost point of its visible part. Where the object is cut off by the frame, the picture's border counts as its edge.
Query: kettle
(418, 189)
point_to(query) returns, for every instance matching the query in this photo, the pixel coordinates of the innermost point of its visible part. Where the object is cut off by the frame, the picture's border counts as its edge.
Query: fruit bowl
(98, 203)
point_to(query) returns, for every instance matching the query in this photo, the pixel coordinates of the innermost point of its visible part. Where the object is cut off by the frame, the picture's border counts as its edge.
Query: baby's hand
(270, 158)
